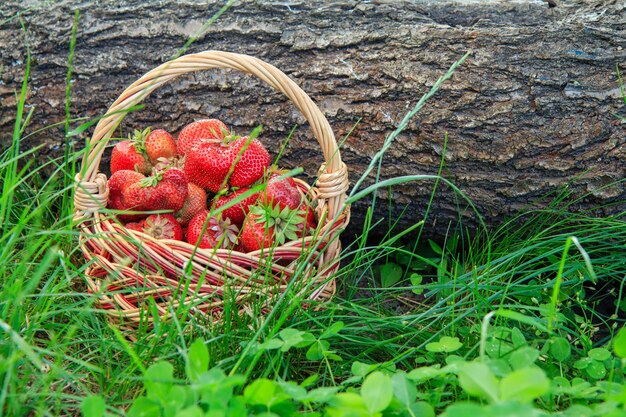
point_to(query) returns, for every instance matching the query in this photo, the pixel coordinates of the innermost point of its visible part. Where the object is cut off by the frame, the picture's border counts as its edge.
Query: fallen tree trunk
(532, 108)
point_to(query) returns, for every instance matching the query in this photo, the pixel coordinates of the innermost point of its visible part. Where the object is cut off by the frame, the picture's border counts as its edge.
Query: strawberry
(309, 215)
(118, 183)
(194, 204)
(136, 226)
(251, 158)
(236, 213)
(204, 166)
(265, 226)
(282, 191)
(163, 226)
(201, 129)
(217, 233)
(165, 190)
(285, 193)
(130, 154)
(238, 161)
(160, 144)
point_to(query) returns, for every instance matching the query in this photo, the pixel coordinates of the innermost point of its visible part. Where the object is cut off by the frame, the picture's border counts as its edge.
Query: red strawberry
(194, 204)
(237, 161)
(265, 226)
(251, 158)
(163, 226)
(216, 233)
(309, 215)
(131, 155)
(285, 193)
(160, 144)
(236, 213)
(163, 191)
(118, 183)
(206, 166)
(136, 226)
(282, 191)
(201, 129)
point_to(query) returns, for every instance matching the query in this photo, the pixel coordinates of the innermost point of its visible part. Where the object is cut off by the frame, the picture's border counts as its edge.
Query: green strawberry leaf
(152, 180)
(138, 138)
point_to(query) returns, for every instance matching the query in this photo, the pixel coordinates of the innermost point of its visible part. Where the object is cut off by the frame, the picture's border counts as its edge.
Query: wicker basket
(131, 272)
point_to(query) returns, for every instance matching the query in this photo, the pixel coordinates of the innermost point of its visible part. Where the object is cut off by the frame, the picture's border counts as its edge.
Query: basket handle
(332, 183)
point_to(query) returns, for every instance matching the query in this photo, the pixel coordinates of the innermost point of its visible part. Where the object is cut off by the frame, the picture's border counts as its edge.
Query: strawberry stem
(226, 233)
(152, 180)
(285, 222)
(138, 138)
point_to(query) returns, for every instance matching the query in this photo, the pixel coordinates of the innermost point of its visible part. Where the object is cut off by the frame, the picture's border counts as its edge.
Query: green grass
(514, 319)
(57, 347)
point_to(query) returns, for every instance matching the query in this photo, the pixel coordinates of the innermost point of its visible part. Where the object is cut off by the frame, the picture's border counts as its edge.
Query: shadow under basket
(137, 278)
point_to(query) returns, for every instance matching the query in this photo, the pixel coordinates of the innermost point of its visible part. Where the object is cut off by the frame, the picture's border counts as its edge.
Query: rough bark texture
(532, 108)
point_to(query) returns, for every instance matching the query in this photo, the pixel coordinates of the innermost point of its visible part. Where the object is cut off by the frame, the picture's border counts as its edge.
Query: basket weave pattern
(126, 268)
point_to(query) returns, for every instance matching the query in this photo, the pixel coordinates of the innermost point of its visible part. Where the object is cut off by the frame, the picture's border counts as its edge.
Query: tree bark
(533, 108)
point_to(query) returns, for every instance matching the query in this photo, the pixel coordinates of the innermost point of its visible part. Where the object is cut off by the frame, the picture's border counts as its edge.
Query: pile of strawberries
(214, 189)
